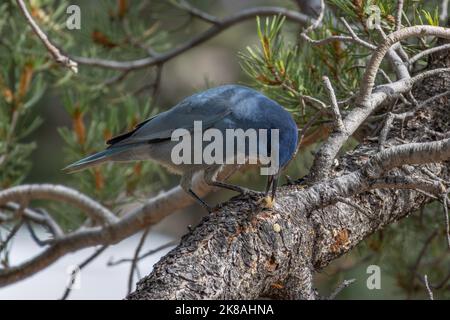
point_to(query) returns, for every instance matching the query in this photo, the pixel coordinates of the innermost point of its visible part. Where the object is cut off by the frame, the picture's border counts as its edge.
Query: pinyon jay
(221, 108)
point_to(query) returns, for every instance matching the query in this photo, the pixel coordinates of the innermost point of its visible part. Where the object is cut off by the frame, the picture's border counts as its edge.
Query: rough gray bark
(245, 251)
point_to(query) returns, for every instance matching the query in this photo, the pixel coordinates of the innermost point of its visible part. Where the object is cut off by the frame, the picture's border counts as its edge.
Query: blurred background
(71, 116)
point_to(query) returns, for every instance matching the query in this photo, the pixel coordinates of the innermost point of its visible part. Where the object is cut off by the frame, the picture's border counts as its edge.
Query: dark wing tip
(120, 137)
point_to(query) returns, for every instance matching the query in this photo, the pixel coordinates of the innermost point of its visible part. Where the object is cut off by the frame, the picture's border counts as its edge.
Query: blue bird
(223, 109)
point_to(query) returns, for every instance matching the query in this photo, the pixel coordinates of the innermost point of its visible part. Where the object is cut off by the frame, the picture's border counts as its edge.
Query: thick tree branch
(243, 254)
(153, 211)
(427, 52)
(247, 251)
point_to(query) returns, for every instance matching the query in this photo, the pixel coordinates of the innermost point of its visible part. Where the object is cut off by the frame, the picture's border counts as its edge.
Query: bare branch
(315, 24)
(55, 52)
(419, 258)
(35, 237)
(355, 37)
(367, 100)
(424, 53)
(59, 193)
(81, 266)
(150, 213)
(444, 11)
(430, 189)
(145, 255)
(341, 287)
(427, 286)
(217, 28)
(398, 16)
(336, 229)
(195, 12)
(446, 217)
(411, 153)
(428, 73)
(334, 105)
(352, 38)
(385, 131)
(10, 235)
(368, 80)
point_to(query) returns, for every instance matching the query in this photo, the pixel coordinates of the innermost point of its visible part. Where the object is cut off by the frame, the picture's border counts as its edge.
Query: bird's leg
(200, 201)
(186, 185)
(268, 185)
(272, 183)
(210, 176)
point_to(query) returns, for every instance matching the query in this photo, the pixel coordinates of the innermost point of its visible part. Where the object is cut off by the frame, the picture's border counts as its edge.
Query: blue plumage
(220, 108)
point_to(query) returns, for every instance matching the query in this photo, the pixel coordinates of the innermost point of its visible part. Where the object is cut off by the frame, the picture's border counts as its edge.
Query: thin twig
(206, 35)
(143, 256)
(352, 204)
(38, 215)
(81, 266)
(10, 235)
(195, 12)
(444, 11)
(385, 131)
(306, 127)
(157, 82)
(135, 259)
(55, 52)
(368, 81)
(334, 105)
(443, 282)
(427, 285)
(398, 16)
(447, 223)
(315, 24)
(424, 53)
(341, 287)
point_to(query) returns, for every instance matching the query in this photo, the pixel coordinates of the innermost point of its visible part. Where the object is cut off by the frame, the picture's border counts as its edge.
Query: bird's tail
(92, 160)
